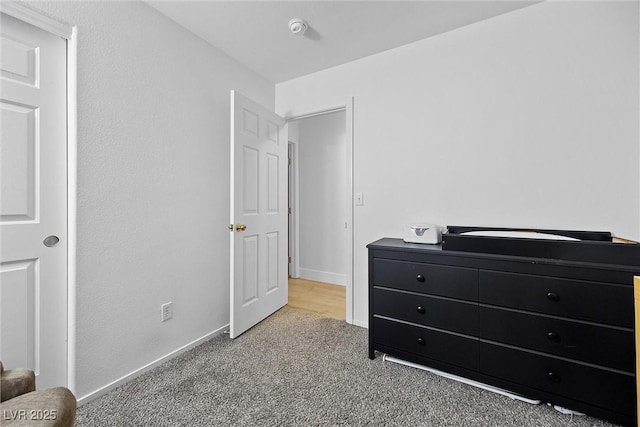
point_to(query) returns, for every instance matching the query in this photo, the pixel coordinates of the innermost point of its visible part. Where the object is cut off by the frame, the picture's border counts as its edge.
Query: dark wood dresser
(554, 330)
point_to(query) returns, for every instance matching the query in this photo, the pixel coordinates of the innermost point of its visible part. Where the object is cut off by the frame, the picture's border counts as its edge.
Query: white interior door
(258, 244)
(33, 201)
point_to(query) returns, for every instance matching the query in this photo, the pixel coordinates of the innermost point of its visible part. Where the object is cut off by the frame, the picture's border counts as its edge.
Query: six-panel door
(33, 202)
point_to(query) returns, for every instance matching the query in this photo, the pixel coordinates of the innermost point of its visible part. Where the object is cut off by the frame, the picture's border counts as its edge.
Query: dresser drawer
(597, 302)
(432, 279)
(598, 387)
(442, 346)
(576, 340)
(457, 316)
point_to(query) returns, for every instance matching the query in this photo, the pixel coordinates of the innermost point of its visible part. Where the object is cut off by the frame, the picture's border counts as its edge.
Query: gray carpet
(296, 368)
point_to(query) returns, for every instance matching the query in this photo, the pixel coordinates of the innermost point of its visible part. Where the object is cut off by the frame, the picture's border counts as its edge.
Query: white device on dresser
(423, 233)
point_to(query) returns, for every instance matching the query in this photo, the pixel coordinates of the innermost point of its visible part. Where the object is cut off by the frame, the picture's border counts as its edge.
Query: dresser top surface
(391, 243)
(396, 244)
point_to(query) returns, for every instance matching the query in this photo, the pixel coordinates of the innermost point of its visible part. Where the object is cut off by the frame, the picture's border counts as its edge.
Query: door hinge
(289, 211)
(289, 260)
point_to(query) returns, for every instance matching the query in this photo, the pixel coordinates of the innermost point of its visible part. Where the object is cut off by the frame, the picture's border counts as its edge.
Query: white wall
(153, 185)
(526, 119)
(322, 163)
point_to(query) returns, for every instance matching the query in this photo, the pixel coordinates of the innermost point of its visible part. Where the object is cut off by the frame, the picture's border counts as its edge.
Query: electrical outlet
(166, 311)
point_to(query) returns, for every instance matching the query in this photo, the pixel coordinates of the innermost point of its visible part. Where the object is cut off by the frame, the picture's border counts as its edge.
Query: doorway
(320, 213)
(246, 286)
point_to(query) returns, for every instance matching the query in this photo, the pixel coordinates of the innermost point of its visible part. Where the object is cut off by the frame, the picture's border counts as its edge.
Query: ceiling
(256, 33)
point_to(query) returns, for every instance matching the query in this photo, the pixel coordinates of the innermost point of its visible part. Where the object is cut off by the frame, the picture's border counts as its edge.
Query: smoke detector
(298, 26)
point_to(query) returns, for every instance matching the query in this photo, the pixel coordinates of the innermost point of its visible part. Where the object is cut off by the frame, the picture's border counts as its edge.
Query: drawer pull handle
(553, 376)
(420, 278)
(421, 309)
(553, 337)
(421, 341)
(552, 296)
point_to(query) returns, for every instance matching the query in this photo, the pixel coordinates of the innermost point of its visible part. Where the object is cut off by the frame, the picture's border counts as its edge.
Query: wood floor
(321, 298)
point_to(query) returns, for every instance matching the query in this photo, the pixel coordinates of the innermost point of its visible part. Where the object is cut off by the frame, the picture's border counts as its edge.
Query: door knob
(51, 241)
(241, 227)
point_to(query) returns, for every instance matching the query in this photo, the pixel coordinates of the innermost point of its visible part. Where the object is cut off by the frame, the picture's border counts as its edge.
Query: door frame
(70, 34)
(293, 217)
(347, 107)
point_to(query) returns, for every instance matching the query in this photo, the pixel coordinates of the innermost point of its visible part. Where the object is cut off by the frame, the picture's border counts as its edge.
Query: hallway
(317, 297)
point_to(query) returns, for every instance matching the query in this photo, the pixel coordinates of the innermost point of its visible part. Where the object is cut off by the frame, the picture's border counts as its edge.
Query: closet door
(33, 201)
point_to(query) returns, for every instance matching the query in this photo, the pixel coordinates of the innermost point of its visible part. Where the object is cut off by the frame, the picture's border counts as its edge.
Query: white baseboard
(126, 378)
(323, 276)
(362, 324)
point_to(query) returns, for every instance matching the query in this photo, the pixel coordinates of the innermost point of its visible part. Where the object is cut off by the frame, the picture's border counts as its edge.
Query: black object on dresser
(561, 331)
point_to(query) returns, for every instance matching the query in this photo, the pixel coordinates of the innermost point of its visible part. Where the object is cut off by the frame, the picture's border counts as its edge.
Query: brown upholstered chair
(21, 405)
